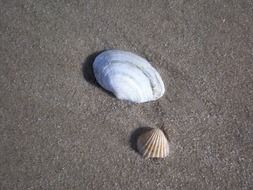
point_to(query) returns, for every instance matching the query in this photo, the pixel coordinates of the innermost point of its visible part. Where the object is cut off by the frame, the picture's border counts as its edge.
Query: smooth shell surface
(153, 144)
(128, 76)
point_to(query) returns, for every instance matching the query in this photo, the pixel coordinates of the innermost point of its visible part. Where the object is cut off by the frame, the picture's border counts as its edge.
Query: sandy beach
(60, 130)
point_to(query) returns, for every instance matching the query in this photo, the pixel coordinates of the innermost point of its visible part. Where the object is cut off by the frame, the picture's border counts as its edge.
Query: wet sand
(60, 130)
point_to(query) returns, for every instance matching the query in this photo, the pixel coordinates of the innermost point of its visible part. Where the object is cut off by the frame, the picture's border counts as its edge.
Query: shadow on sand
(135, 135)
(88, 73)
(88, 70)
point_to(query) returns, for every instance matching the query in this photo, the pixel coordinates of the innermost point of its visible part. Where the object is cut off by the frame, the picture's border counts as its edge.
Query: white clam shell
(153, 144)
(128, 76)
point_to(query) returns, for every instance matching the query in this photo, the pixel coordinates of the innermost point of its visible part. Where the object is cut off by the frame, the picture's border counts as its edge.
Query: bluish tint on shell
(128, 76)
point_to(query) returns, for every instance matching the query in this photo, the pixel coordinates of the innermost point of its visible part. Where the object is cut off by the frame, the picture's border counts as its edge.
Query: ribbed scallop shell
(153, 144)
(128, 76)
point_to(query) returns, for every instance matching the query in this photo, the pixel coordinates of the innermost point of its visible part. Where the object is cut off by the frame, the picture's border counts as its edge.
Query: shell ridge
(148, 144)
(151, 145)
(142, 69)
(166, 144)
(153, 148)
(149, 139)
(158, 144)
(125, 75)
(148, 83)
(159, 148)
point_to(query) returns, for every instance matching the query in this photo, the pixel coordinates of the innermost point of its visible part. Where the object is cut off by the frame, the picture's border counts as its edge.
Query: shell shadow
(88, 74)
(87, 69)
(135, 135)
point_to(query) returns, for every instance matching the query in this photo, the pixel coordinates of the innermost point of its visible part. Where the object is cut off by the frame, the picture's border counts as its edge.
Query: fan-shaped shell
(128, 76)
(153, 144)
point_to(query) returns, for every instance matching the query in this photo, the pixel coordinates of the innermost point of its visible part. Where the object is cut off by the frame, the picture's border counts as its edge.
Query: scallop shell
(153, 144)
(128, 76)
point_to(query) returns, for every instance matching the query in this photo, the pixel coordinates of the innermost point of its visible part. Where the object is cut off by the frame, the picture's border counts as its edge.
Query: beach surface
(60, 130)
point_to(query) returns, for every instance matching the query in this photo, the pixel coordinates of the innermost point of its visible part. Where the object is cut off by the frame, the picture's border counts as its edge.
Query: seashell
(153, 144)
(128, 76)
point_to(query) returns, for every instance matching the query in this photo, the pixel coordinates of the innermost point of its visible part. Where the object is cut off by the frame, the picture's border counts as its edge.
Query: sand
(60, 130)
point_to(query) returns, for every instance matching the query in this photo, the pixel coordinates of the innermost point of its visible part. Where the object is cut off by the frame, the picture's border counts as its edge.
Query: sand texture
(60, 130)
